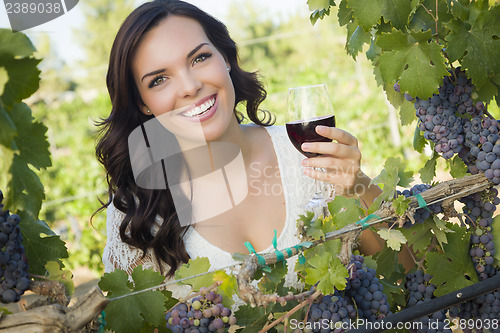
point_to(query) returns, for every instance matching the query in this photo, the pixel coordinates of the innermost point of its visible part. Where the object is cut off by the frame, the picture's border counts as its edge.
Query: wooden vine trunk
(57, 318)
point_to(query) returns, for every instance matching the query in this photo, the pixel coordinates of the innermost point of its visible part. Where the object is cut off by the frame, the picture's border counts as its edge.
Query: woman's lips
(203, 111)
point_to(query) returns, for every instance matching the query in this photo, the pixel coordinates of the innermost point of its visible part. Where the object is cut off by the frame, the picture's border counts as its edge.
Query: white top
(297, 187)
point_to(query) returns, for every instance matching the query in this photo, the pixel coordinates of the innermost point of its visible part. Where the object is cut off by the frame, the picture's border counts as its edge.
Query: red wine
(301, 131)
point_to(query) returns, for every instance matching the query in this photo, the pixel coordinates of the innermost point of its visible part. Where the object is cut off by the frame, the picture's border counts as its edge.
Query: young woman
(228, 183)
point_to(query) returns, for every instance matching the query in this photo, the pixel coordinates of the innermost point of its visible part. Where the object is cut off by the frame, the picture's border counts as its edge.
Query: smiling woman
(174, 82)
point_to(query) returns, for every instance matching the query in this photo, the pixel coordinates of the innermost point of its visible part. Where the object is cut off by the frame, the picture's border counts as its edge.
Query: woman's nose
(189, 84)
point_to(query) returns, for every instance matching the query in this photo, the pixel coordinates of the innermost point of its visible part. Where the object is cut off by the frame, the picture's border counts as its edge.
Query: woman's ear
(144, 109)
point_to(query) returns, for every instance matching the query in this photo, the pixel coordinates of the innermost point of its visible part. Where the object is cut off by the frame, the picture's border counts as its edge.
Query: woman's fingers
(337, 134)
(332, 149)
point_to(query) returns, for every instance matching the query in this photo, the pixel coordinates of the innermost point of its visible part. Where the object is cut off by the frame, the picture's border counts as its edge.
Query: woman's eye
(201, 57)
(157, 80)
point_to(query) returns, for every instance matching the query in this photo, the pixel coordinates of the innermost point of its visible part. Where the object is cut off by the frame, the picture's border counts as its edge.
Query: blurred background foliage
(286, 51)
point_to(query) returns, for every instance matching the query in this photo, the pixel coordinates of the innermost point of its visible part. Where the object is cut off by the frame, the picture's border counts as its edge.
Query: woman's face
(184, 80)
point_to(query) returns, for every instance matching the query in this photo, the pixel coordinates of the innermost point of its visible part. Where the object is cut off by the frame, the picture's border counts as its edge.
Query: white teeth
(200, 109)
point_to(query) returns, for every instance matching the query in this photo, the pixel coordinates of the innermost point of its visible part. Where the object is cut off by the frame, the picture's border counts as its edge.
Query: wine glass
(308, 107)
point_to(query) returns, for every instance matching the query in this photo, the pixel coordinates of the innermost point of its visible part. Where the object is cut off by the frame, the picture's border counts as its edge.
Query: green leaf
(344, 14)
(388, 263)
(328, 271)
(41, 244)
(392, 175)
(400, 204)
(458, 169)
(7, 128)
(372, 53)
(397, 12)
(417, 63)
(367, 13)
(356, 38)
(454, 269)
(15, 44)
(393, 237)
(318, 4)
(25, 189)
(407, 113)
(56, 273)
(193, 267)
(32, 141)
(477, 45)
(495, 230)
(228, 288)
(129, 313)
(428, 172)
(4, 78)
(420, 235)
(271, 280)
(440, 230)
(418, 140)
(23, 79)
(344, 211)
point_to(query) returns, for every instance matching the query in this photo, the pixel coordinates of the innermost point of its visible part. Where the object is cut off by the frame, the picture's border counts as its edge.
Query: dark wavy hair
(142, 206)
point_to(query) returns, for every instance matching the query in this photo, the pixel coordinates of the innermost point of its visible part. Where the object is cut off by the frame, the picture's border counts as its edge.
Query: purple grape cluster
(362, 298)
(420, 290)
(457, 125)
(478, 209)
(205, 313)
(329, 310)
(421, 214)
(14, 279)
(484, 151)
(366, 290)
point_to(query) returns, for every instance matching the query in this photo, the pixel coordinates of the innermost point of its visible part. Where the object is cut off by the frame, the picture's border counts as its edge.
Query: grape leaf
(397, 12)
(407, 113)
(15, 44)
(4, 78)
(412, 59)
(418, 140)
(25, 189)
(56, 273)
(372, 53)
(41, 244)
(356, 38)
(318, 4)
(395, 294)
(458, 169)
(328, 271)
(392, 175)
(388, 263)
(194, 267)
(128, 314)
(271, 280)
(344, 211)
(419, 236)
(428, 172)
(344, 14)
(7, 128)
(400, 204)
(32, 141)
(367, 13)
(23, 79)
(495, 226)
(394, 238)
(454, 269)
(227, 288)
(477, 45)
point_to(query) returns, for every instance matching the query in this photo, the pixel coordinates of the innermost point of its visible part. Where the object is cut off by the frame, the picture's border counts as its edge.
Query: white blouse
(297, 189)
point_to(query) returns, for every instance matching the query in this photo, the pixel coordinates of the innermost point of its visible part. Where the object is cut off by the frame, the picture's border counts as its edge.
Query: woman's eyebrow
(189, 55)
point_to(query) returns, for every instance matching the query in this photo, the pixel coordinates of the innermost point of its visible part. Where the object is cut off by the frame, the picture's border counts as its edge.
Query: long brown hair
(142, 206)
